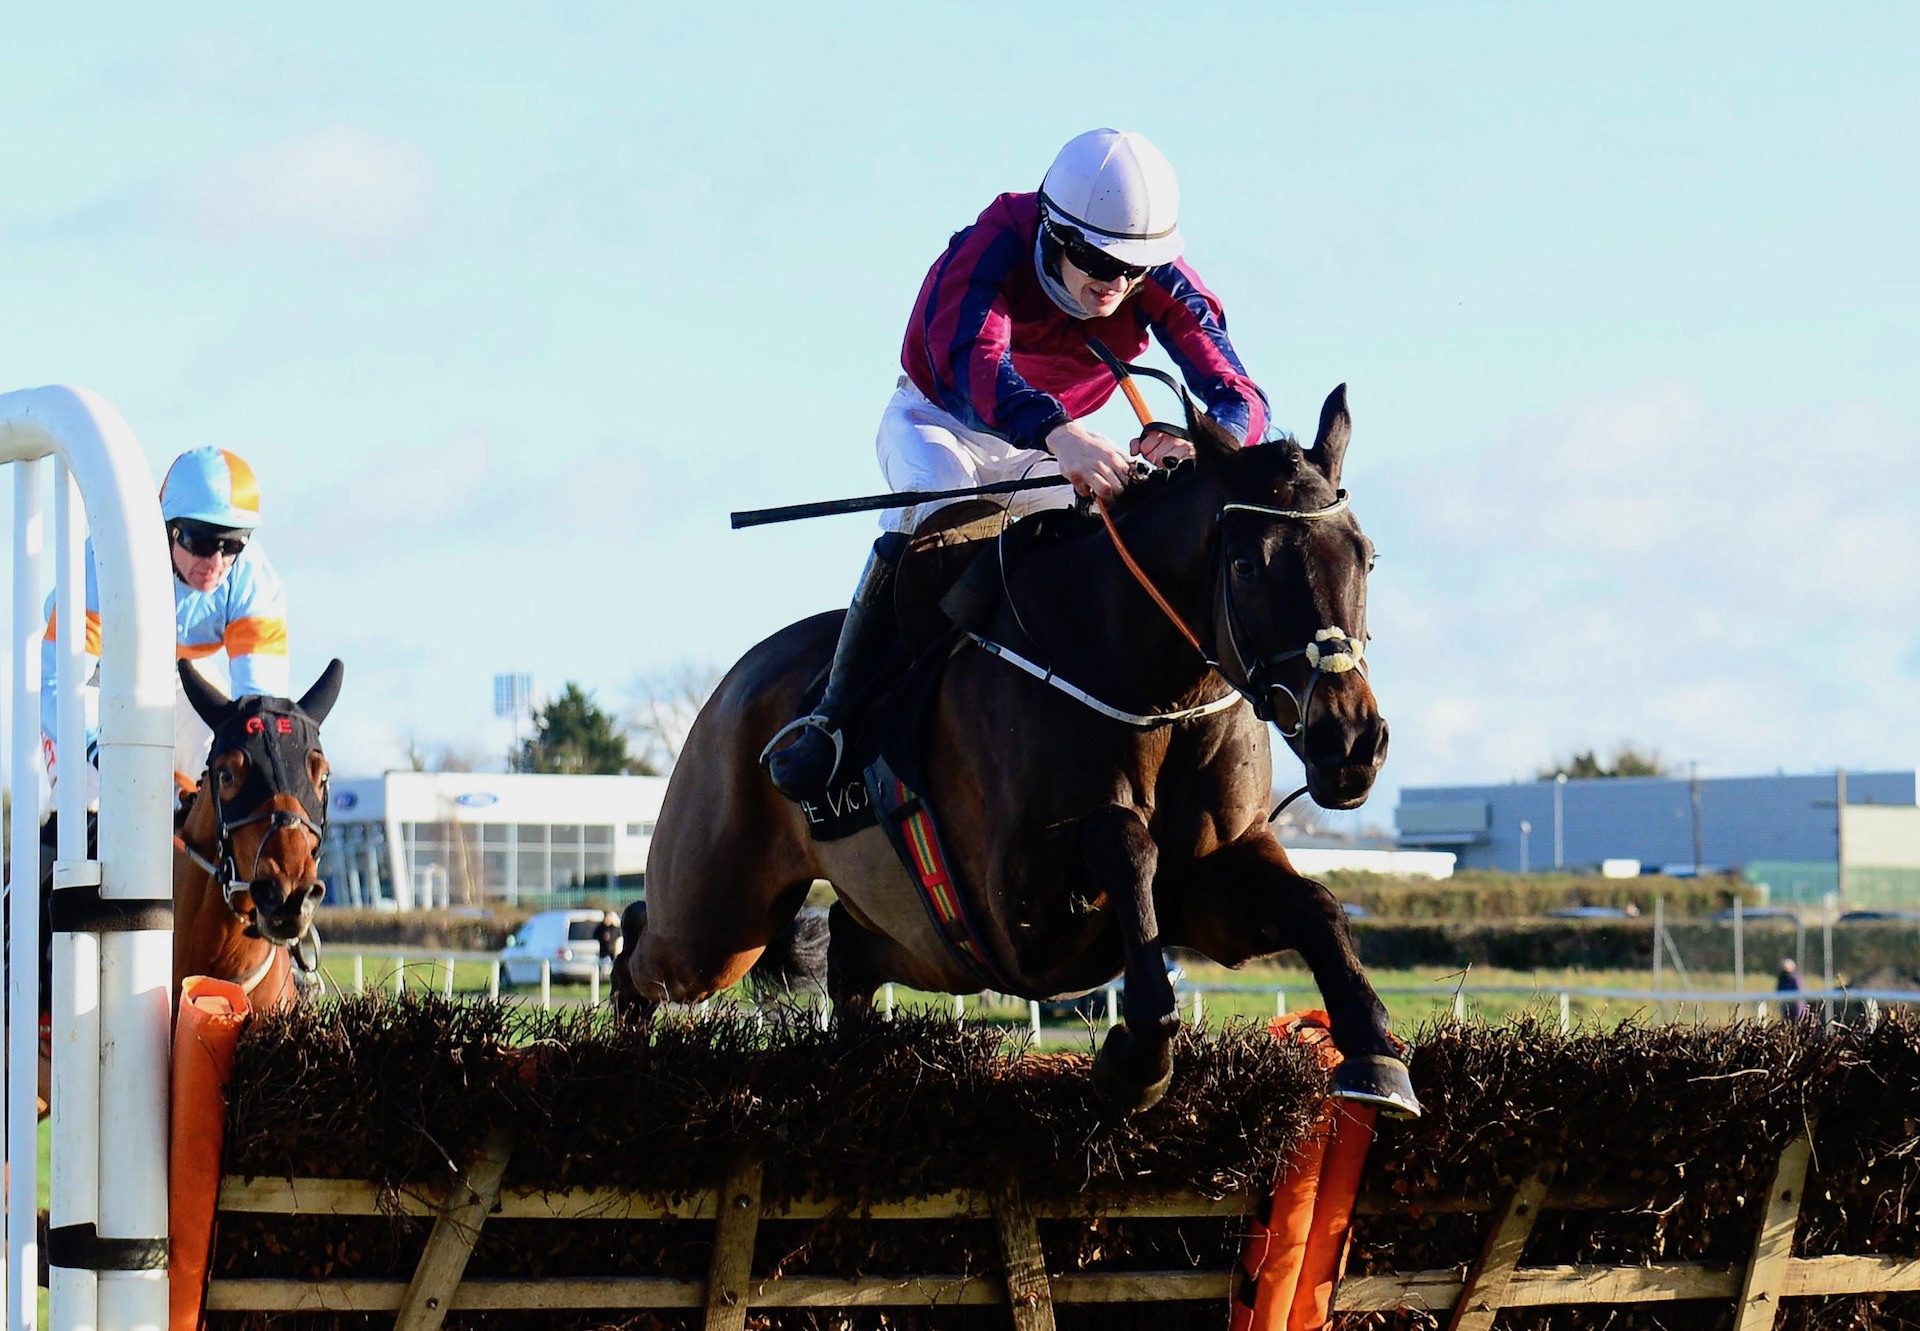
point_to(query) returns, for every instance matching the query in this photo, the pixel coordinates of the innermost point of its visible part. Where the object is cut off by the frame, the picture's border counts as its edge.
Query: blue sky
(510, 305)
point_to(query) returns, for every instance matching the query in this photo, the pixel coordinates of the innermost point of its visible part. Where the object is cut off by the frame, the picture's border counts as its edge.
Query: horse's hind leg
(1246, 900)
(859, 961)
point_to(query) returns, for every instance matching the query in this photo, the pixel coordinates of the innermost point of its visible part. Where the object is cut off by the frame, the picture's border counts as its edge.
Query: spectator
(1788, 983)
(607, 934)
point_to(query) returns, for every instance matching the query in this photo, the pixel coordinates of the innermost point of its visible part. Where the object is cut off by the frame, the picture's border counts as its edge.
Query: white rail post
(23, 902)
(1033, 1017)
(546, 983)
(359, 974)
(493, 979)
(399, 976)
(1566, 1013)
(886, 1000)
(113, 969)
(448, 989)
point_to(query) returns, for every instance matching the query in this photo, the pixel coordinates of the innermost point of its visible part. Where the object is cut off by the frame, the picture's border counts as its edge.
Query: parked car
(1355, 911)
(1589, 913)
(1748, 914)
(561, 937)
(1880, 915)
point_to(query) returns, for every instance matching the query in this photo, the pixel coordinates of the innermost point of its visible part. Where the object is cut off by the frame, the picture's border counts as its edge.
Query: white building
(411, 840)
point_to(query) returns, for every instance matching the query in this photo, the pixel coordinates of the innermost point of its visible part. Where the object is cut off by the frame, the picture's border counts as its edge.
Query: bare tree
(662, 710)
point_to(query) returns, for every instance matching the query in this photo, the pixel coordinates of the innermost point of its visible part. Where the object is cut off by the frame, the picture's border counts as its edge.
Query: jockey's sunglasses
(203, 545)
(1095, 263)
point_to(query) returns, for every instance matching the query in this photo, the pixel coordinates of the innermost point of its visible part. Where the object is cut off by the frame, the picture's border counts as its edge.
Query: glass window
(530, 834)
(599, 836)
(493, 835)
(533, 870)
(495, 871)
(581, 931)
(639, 829)
(599, 866)
(565, 834)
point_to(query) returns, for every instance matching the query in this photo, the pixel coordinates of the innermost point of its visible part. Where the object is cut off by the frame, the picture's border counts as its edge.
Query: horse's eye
(1244, 567)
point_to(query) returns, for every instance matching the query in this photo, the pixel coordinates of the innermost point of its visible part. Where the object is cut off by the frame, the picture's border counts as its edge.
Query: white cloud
(343, 187)
(1731, 587)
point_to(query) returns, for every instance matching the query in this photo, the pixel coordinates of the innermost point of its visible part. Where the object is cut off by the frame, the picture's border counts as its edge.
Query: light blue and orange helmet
(213, 487)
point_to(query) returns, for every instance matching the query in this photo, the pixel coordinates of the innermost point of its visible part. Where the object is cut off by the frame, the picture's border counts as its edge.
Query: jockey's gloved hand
(1094, 463)
(93, 754)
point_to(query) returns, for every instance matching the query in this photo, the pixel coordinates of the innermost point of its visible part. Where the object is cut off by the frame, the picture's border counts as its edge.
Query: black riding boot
(805, 767)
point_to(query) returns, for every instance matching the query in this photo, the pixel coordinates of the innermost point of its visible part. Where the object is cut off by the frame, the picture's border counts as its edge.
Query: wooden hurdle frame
(1494, 1282)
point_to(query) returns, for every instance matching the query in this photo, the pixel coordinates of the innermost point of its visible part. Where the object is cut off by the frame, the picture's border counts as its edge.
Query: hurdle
(112, 935)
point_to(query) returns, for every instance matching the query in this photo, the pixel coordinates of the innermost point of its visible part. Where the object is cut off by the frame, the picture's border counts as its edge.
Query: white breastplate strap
(1150, 721)
(252, 981)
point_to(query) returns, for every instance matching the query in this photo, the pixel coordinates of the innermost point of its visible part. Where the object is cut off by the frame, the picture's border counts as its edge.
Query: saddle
(948, 580)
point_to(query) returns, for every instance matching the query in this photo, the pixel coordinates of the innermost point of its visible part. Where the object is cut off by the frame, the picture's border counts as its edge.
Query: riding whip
(756, 517)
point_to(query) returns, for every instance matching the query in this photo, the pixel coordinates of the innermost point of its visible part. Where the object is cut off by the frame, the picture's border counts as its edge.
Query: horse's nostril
(317, 893)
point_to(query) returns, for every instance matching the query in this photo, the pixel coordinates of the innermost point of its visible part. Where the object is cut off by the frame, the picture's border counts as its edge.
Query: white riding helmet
(1118, 191)
(211, 486)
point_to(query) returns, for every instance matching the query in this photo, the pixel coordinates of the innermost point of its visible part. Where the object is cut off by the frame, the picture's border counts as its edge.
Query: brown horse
(1081, 844)
(261, 808)
(246, 872)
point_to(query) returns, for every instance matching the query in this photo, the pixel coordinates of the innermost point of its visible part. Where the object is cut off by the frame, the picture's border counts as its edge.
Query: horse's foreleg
(1136, 1061)
(1246, 901)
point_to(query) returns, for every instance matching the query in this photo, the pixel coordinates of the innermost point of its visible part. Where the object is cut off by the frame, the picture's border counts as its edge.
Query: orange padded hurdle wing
(212, 1013)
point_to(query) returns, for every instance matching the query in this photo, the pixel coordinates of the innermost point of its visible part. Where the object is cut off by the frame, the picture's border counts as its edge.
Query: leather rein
(1331, 651)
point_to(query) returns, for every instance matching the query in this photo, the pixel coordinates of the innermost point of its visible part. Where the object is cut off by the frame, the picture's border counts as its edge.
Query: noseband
(275, 736)
(1332, 651)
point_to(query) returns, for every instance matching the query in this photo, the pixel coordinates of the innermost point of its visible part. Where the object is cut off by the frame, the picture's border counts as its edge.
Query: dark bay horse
(1081, 844)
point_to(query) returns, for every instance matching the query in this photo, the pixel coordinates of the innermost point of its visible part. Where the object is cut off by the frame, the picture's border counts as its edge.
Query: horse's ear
(317, 701)
(1213, 443)
(208, 703)
(1330, 441)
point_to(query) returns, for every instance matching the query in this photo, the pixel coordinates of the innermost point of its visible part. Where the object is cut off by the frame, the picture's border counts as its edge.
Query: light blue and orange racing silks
(245, 616)
(989, 345)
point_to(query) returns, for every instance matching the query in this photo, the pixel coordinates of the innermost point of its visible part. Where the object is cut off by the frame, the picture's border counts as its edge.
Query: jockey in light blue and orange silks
(1000, 374)
(226, 597)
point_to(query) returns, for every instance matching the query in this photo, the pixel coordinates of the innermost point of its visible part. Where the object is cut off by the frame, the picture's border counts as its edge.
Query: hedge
(1481, 894)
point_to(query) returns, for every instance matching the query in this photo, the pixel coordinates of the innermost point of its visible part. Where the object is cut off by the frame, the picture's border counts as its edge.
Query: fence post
(886, 1001)
(359, 974)
(736, 1221)
(493, 979)
(546, 983)
(448, 991)
(1033, 1016)
(1485, 1291)
(1566, 1013)
(1760, 1287)
(450, 1244)
(399, 976)
(1113, 1005)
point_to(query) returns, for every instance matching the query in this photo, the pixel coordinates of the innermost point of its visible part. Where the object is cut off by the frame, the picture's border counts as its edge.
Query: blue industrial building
(1854, 834)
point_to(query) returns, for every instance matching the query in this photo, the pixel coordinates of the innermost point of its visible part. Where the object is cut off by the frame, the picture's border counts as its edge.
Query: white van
(562, 938)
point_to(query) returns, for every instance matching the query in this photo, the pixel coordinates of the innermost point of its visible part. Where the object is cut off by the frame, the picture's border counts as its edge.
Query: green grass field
(1413, 996)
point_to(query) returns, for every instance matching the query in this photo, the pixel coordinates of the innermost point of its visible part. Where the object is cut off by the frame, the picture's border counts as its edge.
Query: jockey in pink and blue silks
(999, 376)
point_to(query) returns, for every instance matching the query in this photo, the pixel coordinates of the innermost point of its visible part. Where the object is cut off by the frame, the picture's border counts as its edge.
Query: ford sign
(345, 799)
(477, 799)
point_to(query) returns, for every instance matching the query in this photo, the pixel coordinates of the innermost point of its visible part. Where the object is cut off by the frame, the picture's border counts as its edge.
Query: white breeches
(923, 447)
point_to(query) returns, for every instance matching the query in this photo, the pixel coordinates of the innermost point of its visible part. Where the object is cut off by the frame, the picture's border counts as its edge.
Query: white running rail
(112, 970)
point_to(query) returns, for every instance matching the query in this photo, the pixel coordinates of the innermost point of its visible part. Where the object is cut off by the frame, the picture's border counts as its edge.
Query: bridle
(1332, 651)
(269, 732)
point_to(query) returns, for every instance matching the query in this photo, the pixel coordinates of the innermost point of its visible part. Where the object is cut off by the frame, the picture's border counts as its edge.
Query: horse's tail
(796, 959)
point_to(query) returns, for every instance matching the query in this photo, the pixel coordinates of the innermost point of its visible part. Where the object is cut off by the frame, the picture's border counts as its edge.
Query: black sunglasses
(1095, 263)
(202, 546)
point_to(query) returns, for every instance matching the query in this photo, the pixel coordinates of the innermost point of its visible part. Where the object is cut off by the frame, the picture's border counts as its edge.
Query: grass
(1413, 996)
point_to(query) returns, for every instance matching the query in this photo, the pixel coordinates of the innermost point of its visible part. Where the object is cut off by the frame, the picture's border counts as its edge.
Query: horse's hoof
(1377, 1079)
(1124, 1078)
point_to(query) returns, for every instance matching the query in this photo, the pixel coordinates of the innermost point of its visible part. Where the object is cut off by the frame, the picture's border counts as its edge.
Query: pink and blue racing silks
(245, 616)
(987, 343)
